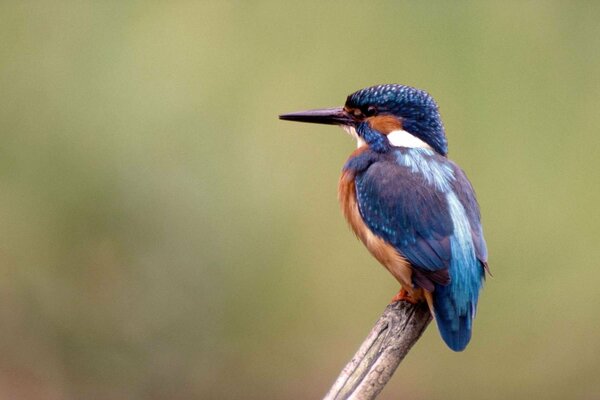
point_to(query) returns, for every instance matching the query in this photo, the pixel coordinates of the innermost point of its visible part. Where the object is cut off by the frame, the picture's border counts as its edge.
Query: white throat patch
(352, 132)
(401, 138)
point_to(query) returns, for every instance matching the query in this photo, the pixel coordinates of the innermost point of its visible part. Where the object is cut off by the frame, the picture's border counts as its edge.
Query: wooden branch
(396, 331)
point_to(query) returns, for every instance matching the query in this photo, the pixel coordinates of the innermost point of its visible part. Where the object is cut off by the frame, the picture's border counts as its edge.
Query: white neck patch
(352, 132)
(401, 138)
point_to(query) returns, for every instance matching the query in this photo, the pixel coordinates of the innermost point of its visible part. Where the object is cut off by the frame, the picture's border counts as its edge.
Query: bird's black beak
(329, 116)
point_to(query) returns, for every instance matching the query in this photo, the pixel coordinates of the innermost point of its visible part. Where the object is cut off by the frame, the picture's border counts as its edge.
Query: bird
(412, 207)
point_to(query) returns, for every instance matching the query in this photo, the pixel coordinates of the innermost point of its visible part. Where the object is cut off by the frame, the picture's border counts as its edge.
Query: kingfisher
(413, 208)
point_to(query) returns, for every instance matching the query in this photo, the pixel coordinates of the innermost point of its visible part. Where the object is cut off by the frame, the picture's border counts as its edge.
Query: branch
(396, 331)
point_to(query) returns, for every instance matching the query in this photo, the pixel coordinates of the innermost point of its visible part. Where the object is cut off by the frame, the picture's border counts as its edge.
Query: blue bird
(413, 208)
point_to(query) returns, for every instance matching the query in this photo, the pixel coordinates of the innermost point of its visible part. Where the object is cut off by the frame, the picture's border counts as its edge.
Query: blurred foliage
(165, 236)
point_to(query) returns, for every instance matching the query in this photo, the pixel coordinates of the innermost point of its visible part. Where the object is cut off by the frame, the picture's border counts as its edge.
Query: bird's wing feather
(466, 195)
(400, 206)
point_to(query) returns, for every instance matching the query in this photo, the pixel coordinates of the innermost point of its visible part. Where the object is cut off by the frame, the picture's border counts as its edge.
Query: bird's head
(385, 115)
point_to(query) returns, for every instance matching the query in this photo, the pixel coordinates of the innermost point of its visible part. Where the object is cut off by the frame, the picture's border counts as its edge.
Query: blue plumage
(412, 198)
(409, 198)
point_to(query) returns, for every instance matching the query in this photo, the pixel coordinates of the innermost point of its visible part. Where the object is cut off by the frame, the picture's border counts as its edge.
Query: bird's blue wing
(403, 198)
(400, 204)
(465, 193)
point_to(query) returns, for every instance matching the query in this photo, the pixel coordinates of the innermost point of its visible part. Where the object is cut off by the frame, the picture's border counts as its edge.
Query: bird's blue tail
(454, 326)
(455, 306)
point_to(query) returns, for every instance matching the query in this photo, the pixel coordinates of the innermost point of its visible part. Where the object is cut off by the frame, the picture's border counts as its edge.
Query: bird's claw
(414, 296)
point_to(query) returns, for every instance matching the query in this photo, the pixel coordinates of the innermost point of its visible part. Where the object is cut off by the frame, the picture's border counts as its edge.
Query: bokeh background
(164, 236)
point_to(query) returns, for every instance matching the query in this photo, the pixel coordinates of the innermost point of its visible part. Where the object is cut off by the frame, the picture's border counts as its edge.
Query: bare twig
(396, 331)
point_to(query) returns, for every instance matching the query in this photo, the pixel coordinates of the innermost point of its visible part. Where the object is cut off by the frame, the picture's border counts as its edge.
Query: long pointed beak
(329, 116)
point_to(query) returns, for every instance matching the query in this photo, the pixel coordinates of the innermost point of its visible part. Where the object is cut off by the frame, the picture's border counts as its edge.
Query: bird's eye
(371, 110)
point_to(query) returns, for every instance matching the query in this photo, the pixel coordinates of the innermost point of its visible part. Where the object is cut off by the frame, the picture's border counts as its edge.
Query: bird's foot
(414, 296)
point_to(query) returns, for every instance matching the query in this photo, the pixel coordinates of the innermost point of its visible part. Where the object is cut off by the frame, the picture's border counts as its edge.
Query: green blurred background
(165, 236)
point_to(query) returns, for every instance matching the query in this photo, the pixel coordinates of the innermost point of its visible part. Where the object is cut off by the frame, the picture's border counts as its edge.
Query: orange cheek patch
(385, 123)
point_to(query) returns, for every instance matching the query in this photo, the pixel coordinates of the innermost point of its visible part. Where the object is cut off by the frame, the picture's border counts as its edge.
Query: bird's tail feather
(454, 321)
